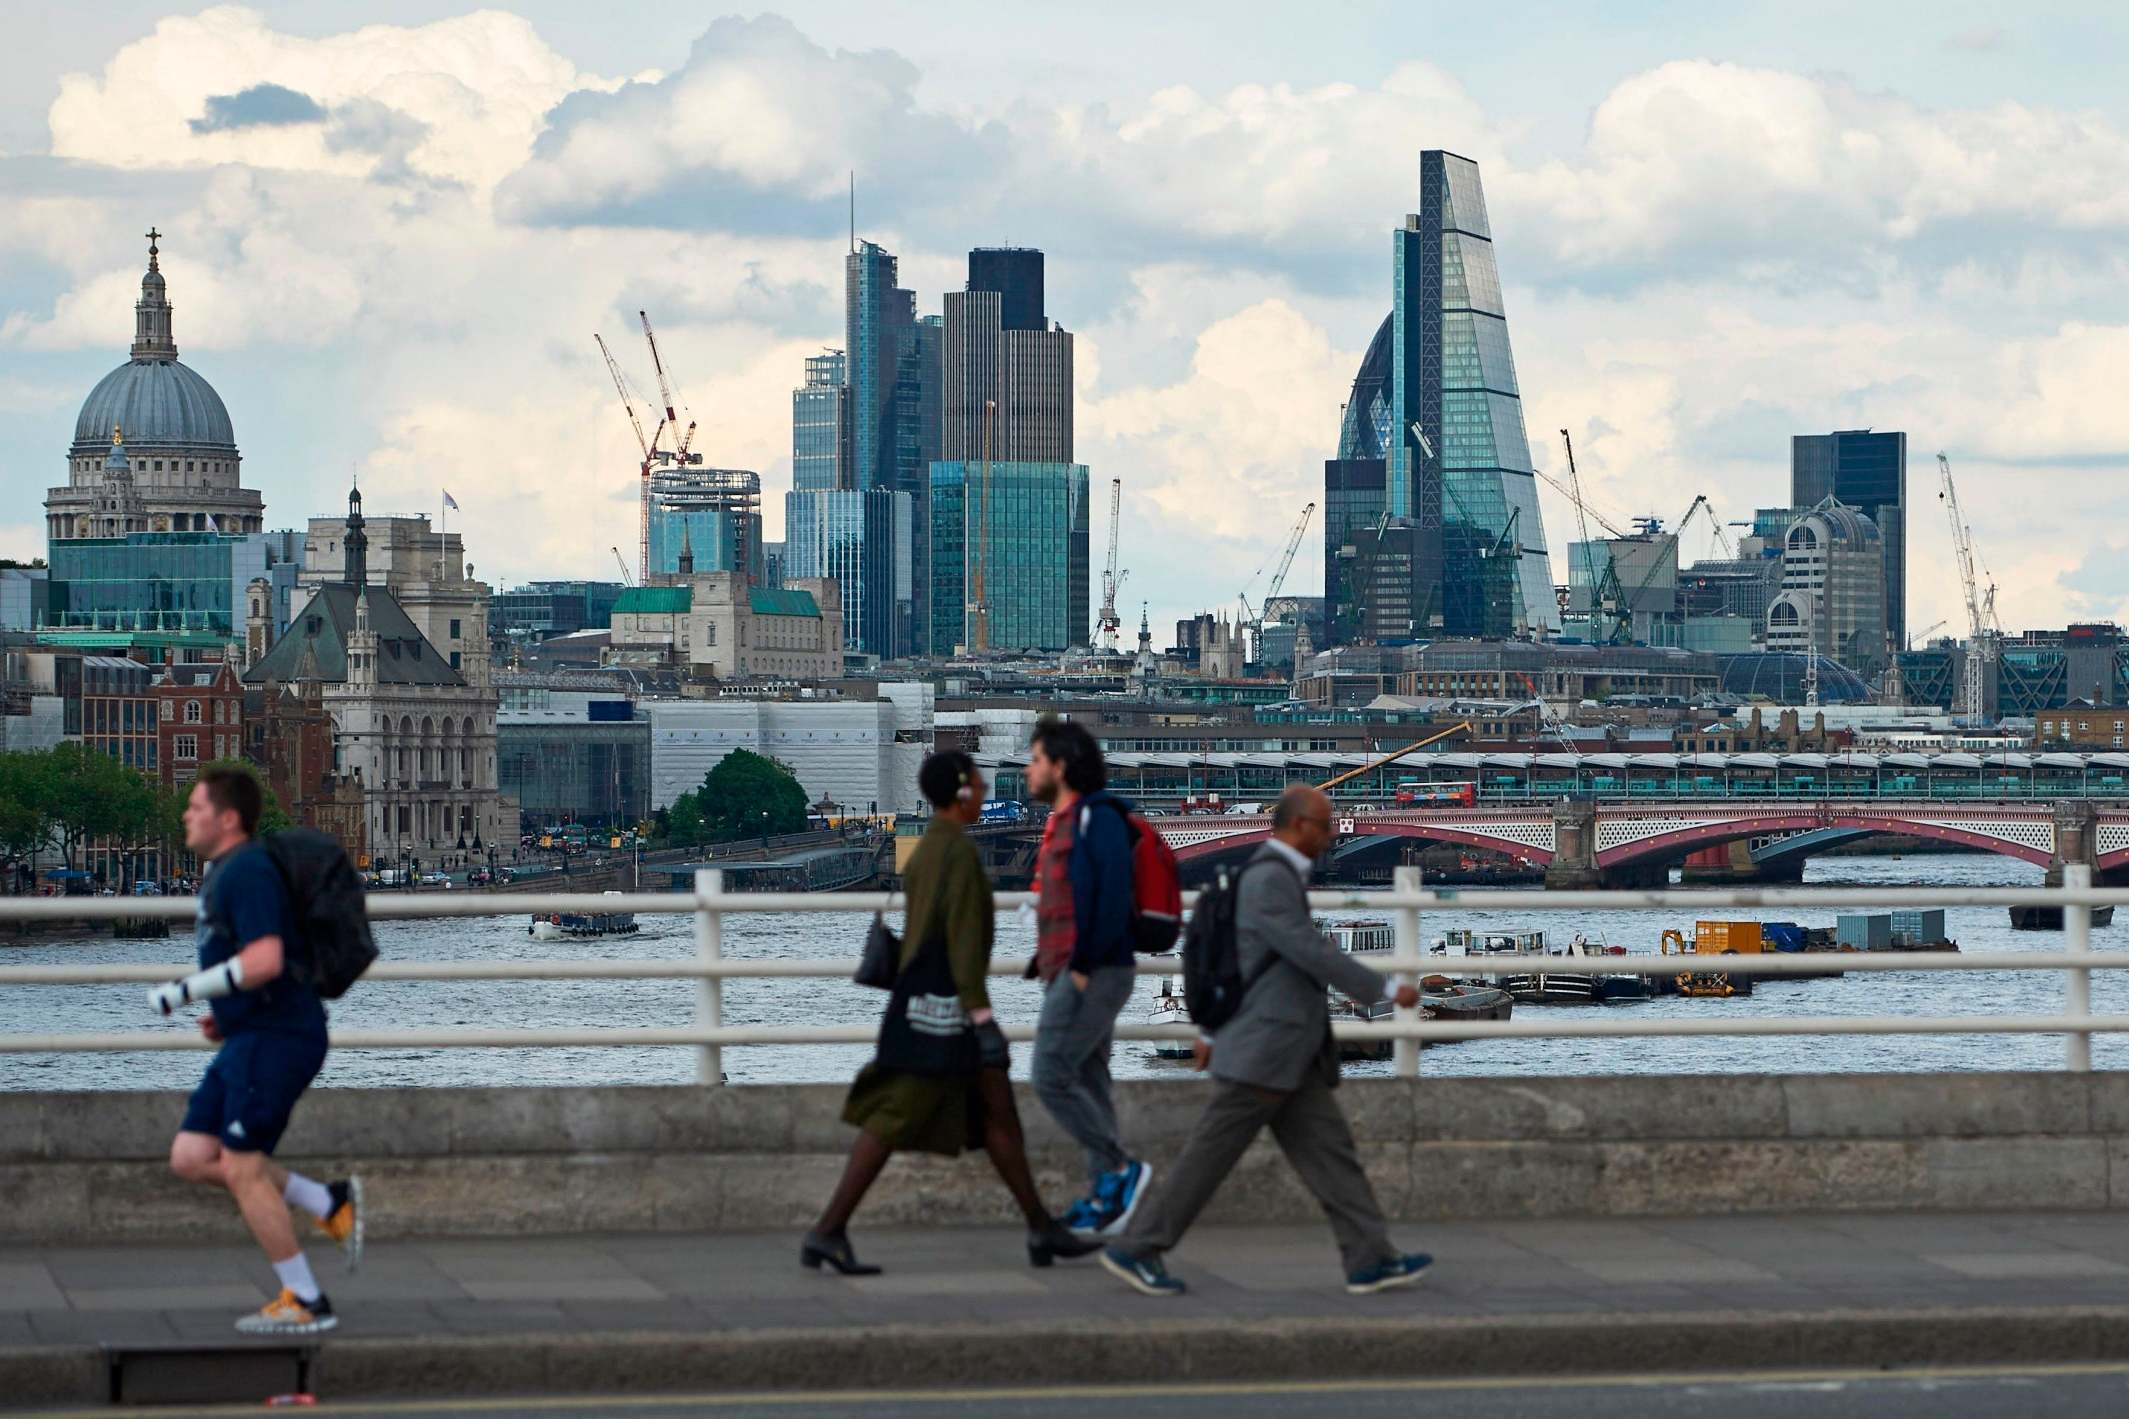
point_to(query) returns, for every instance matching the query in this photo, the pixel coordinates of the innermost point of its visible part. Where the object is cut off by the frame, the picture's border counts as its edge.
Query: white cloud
(1735, 254)
(470, 92)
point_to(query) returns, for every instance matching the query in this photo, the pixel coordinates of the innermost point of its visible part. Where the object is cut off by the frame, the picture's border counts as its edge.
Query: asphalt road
(2038, 1393)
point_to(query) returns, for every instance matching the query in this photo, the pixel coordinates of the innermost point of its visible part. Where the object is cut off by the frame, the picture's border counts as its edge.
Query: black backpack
(325, 897)
(1213, 983)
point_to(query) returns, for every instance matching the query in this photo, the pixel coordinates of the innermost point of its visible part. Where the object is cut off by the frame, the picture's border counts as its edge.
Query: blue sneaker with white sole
(1147, 1276)
(1397, 1271)
(1083, 1216)
(1118, 1194)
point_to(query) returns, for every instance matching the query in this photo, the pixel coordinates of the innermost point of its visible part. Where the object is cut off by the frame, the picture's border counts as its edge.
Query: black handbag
(925, 1030)
(882, 956)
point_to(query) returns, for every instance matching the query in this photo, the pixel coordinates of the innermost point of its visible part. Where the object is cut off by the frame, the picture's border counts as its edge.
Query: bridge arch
(1532, 839)
(2027, 840)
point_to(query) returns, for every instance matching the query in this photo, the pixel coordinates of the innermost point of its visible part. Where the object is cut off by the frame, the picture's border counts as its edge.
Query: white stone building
(413, 722)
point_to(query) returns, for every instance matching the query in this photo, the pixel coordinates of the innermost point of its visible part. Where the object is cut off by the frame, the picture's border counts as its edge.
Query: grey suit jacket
(1283, 1026)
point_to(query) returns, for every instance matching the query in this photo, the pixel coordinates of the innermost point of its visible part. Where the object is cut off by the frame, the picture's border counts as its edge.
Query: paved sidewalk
(1733, 1291)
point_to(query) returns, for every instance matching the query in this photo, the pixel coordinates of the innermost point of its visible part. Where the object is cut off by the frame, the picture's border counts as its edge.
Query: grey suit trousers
(1312, 1132)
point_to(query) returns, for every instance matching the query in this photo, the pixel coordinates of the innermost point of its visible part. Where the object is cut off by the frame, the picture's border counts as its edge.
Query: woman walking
(937, 1083)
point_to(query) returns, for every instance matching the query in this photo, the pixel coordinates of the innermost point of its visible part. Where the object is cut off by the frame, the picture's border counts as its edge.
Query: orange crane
(1330, 783)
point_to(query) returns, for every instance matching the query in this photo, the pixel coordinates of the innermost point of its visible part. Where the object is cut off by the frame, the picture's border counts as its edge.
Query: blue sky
(394, 227)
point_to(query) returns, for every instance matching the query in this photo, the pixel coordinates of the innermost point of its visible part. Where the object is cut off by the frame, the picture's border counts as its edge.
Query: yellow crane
(1391, 758)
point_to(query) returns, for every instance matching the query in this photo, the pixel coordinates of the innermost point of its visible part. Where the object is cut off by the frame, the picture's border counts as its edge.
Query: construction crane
(1654, 527)
(1980, 605)
(1924, 634)
(1253, 621)
(654, 454)
(979, 610)
(622, 563)
(1604, 595)
(1112, 580)
(1568, 493)
(1350, 774)
(643, 446)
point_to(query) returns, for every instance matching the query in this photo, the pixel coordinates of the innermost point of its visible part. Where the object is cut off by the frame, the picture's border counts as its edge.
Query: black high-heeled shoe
(1058, 1240)
(834, 1250)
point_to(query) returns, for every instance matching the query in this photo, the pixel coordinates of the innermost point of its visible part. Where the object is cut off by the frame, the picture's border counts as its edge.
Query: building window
(454, 654)
(221, 711)
(192, 711)
(169, 710)
(185, 748)
(454, 630)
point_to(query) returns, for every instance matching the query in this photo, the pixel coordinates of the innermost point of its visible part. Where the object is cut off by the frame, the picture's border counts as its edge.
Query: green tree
(747, 795)
(683, 821)
(84, 793)
(25, 827)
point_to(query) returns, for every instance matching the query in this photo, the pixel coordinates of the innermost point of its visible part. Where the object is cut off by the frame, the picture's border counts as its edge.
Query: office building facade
(713, 514)
(1005, 361)
(864, 542)
(1027, 529)
(540, 609)
(1867, 470)
(820, 425)
(1456, 446)
(1832, 598)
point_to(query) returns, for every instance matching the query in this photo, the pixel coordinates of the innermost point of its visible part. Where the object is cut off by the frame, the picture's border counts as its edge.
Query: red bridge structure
(1584, 844)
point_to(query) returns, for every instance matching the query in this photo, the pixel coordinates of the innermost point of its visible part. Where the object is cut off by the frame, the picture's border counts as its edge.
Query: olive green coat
(950, 897)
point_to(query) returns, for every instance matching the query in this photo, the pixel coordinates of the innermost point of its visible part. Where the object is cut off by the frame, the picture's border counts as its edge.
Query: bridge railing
(1406, 904)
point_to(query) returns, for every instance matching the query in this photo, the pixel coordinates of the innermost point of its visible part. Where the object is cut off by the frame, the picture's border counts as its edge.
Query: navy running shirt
(242, 898)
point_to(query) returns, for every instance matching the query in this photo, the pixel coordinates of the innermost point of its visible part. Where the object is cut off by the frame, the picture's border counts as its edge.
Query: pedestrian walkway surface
(1754, 1274)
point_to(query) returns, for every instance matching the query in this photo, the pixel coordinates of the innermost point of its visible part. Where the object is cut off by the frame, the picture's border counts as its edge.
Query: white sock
(312, 1196)
(295, 1275)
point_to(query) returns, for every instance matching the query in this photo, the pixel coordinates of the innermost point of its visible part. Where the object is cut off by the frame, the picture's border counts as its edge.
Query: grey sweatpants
(1073, 1035)
(1311, 1130)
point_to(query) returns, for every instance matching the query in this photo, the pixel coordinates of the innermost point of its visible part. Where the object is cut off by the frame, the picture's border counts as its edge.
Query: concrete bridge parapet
(82, 1168)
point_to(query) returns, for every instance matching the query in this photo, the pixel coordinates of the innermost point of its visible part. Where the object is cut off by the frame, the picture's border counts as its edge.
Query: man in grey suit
(1275, 1063)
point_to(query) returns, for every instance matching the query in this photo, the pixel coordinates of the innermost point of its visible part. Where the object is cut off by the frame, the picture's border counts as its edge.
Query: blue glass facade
(1467, 483)
(892, 414)
(1031, 529)
(153, 581)
(715, 513)
(820, 424)
(862, 542)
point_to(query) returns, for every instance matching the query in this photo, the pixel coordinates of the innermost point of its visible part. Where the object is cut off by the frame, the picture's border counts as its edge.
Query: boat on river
(1550, 975)
(555, 926)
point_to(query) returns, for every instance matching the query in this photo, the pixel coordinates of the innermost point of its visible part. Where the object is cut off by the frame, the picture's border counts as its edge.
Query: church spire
(357, 572)
(152, 337)
(686, 566)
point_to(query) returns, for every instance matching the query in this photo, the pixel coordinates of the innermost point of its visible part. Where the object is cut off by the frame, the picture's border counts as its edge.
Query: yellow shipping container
(1712, 938)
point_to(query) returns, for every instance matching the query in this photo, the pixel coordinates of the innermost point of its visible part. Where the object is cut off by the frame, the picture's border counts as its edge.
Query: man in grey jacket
(1275, 1063)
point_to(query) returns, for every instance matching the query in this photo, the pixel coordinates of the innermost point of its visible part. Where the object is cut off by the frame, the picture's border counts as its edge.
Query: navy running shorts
(251, 1089)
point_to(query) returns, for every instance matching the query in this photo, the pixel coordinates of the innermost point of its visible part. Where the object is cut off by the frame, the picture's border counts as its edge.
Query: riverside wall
(89, 1167)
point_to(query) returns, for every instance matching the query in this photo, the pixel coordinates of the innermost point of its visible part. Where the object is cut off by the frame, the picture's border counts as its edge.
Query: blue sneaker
(1398, 1271)
(1083, 1216)
(1148, 1277)
(1119, 1193)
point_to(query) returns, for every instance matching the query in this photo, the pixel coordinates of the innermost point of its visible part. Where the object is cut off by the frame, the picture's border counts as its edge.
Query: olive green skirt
(920, 1113)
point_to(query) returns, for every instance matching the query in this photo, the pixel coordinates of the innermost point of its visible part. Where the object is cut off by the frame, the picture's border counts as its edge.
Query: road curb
(1138, 1347)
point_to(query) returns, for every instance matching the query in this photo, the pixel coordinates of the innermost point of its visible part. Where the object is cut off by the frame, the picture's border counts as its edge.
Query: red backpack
(1156, 890)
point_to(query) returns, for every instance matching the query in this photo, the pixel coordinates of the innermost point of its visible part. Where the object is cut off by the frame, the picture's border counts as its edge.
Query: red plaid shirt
(1056, 921)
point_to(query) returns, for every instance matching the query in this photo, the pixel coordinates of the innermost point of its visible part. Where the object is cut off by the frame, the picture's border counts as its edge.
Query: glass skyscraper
(1866, 469)
(714, 513)
(820, 424)
(1459, 462)
(862, 540)
(1030, 532)
(892, 409)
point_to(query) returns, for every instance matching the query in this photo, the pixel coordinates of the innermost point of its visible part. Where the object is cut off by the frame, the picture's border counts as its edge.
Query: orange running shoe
(285, 1315)
(344, 1223)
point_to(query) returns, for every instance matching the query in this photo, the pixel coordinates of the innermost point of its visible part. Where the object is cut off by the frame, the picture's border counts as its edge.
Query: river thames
(670, 1003)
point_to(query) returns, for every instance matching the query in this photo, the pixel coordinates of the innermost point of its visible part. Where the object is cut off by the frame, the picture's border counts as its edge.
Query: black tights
(1001, 1139)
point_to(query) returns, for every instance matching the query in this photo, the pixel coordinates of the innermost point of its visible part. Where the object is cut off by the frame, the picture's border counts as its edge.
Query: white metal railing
(1404, 903)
